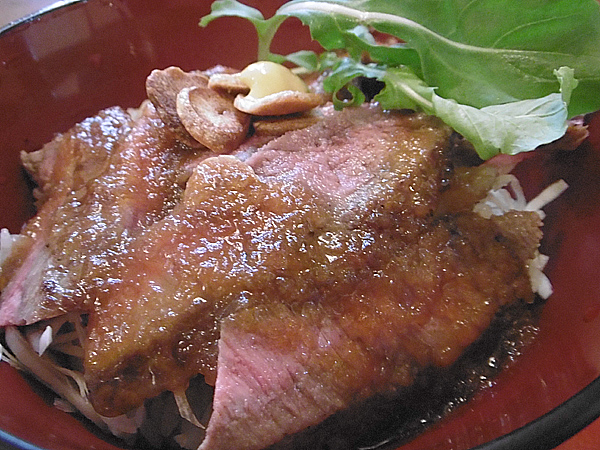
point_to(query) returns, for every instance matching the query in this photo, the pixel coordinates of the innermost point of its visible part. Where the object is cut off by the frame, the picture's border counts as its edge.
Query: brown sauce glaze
(240, 239)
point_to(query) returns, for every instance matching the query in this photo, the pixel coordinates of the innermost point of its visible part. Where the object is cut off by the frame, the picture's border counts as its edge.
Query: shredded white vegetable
(29, 353)
(48, 373)
(44, 340)
(507, 195)
(8, 357)
(185, 409)
(539, 281)
(548, 195)
(30, 349)
(6, 242)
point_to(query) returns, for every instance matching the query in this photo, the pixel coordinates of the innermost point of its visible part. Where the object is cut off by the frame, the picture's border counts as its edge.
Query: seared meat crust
(298, 277)
(100, 183)
(341, 223)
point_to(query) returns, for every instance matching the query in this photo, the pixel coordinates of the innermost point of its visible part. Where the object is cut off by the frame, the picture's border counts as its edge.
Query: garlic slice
(211, 119)
(265, 88)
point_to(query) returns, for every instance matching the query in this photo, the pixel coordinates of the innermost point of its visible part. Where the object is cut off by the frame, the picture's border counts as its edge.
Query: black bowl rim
(36, 14)
(544, 433)
(556, 426)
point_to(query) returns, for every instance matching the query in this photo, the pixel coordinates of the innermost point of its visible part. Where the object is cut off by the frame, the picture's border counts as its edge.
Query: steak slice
(365, 165)
(245, 237)
(282, 369)
(73, 159)
(63, 166)
(100, 183)
(323, 268)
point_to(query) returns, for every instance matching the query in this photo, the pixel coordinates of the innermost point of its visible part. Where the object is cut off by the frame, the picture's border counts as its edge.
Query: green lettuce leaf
(478, 53)
(508, 128)
(507, 74)
(513, 127)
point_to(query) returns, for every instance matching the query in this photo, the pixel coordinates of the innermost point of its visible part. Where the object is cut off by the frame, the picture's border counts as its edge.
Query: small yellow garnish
(266, 78)
(267, 89)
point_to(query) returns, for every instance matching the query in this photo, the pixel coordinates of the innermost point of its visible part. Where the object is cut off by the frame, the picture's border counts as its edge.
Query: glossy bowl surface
(61, 66)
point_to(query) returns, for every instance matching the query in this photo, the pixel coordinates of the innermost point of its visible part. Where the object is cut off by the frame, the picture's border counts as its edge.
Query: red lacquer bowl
(68, 62)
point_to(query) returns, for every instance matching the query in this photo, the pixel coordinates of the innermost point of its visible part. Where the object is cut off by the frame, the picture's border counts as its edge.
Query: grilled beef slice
(308, 276)
(98, 184)
(282, 368)
(298, 278)
(365, 166)
(240, 238)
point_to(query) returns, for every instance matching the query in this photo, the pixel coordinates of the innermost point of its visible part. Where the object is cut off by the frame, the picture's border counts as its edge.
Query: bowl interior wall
(67, 64)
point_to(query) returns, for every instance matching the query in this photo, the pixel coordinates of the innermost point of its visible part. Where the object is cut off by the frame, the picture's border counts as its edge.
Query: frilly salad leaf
(507, 74)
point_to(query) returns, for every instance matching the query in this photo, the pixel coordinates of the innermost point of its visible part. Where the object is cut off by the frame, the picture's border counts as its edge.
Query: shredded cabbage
(507, 195)
(7, 241)
(33, 349)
